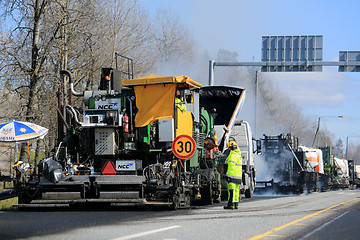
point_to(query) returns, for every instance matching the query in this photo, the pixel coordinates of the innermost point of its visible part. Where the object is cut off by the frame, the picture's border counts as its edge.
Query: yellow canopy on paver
(155, 96)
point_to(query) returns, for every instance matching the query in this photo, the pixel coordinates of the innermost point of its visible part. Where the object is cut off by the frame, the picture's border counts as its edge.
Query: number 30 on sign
(183, 146)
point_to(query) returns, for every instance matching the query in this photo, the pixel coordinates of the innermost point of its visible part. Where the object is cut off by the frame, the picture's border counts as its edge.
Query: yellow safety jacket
(234, 162)
(179, 104)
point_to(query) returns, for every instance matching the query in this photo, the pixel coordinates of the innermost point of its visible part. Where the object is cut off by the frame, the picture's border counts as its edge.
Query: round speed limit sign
(183, 146)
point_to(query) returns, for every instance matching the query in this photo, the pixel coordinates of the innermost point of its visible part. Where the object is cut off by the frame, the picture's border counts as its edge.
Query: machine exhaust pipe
(66, 72)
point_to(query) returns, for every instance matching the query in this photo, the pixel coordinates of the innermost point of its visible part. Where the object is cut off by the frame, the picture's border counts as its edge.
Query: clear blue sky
(238, 25)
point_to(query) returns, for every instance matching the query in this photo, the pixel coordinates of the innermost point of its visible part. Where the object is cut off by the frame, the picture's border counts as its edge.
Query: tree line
(41, 37)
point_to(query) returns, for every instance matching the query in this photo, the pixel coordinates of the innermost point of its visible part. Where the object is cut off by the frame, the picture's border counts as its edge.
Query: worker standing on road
(179, 101)
(233, 175)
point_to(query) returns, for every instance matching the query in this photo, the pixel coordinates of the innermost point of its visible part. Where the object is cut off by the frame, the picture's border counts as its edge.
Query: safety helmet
(232, 145)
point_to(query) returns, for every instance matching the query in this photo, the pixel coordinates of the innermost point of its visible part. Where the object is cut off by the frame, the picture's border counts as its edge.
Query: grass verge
(8, 203)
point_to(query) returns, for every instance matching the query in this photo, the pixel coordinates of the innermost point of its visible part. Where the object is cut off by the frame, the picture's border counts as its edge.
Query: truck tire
(249, 193)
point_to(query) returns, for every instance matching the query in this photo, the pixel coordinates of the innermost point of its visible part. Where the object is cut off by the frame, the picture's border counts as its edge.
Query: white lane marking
(146, 233)
(323, 226)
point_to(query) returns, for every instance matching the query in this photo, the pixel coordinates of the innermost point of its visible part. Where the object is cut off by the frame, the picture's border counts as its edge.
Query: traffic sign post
(292, 54)
(295, 53)
(349, 61)
(183, 147)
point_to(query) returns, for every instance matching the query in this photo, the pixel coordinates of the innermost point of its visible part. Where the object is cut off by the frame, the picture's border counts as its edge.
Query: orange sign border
(192, 151)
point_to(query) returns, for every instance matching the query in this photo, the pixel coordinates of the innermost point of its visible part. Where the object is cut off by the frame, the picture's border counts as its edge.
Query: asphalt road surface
(327, 215)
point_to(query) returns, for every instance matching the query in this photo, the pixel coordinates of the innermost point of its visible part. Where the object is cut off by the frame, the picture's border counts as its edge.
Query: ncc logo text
(108, 106)
(125, 165)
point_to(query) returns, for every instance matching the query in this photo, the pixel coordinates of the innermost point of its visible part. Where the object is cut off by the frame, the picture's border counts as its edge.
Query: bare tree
(171, 38)
(41, 37)
(126, 29)
(338, 150)
(27, 49)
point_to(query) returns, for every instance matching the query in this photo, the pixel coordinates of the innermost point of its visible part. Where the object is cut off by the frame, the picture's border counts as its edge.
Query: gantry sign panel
(348, 57)
(295, 53)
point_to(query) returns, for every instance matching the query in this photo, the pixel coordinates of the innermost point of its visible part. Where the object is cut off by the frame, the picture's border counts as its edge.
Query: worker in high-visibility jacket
(233, 175)
(179, 101)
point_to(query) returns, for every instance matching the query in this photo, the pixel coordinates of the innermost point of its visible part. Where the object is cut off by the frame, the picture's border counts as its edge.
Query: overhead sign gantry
(294, 54)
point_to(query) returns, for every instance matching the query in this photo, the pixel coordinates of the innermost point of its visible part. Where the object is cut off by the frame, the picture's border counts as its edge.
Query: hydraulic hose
(74, 113)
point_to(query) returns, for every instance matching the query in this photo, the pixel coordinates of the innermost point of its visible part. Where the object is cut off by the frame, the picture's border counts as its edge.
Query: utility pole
(255, 99)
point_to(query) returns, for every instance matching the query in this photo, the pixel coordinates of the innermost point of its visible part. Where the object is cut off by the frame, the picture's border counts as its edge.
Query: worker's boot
(229, 207)
(230, 204)
(236, 205)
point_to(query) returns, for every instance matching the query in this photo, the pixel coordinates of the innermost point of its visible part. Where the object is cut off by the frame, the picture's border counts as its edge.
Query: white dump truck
(242, 134)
